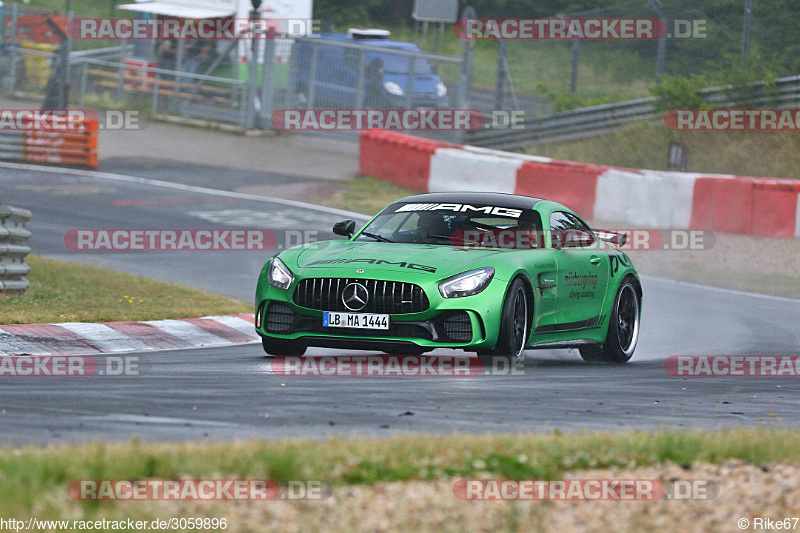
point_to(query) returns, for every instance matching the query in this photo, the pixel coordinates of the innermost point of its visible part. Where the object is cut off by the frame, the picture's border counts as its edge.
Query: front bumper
(470, 323)
(447, 328)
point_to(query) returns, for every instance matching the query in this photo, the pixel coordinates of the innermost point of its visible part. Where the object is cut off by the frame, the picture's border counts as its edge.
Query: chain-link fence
(331, 71)
(335, 71)
(719, 40)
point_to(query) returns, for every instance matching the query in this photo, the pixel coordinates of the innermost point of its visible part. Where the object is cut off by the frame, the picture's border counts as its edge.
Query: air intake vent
(458, 327)
(278, 318)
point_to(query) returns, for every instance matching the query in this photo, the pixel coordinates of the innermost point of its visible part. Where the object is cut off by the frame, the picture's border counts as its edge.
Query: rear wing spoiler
(613, 237)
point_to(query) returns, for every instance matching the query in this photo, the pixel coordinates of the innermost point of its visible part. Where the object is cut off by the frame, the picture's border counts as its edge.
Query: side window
(561, 221)
(351, 59)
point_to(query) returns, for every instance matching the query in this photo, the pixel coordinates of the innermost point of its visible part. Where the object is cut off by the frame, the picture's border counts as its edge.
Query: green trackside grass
(35, 478)
(368, 195)
(69, 292)
(644, 145)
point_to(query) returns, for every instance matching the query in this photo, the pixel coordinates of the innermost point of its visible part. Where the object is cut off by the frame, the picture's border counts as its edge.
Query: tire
(514, 325)
(623, 328)
(283, 347)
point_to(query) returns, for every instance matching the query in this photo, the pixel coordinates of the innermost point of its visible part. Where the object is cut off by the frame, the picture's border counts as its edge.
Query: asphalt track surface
(233, 392)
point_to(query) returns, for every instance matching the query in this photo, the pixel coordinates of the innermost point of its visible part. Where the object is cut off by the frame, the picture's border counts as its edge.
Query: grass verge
(644, 145)
(37, 478)
(367, 195)
(68, 292)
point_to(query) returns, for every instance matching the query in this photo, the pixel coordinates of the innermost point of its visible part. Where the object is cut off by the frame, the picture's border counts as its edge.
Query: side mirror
(345, 228)
(575, 238)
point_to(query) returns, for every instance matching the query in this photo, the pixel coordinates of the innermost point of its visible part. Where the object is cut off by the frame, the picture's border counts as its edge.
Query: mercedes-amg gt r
(489, 273)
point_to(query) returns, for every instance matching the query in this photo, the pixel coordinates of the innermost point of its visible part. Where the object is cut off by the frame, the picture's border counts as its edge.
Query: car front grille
(387, 297)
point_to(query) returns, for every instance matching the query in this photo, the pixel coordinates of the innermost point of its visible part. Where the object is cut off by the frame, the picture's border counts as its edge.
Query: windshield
(399, 64)
(462, 225)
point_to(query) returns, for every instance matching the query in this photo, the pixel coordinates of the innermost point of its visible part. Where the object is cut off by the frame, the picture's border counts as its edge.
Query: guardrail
(13, 249)
(602, 119)
(75, 145)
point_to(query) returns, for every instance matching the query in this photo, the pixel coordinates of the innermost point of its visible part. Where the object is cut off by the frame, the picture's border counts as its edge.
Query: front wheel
(623, 329)
(513, 325)
(283, 347)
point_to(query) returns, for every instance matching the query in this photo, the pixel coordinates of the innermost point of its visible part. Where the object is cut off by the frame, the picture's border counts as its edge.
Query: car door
(582, 275)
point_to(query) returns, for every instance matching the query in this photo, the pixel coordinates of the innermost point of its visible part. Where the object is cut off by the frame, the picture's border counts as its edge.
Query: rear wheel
(623, 328)
(283, 347)
(513, 325)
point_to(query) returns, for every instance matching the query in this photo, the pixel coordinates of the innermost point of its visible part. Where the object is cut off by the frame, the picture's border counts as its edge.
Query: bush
(680, 93)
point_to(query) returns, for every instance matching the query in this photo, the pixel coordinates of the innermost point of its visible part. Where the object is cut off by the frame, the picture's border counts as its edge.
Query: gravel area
(745, 491)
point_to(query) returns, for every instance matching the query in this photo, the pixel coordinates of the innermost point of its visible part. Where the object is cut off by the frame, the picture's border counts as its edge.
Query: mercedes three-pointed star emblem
(355, 296)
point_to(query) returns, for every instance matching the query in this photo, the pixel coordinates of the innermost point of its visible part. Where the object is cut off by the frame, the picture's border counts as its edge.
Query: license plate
(355, 320)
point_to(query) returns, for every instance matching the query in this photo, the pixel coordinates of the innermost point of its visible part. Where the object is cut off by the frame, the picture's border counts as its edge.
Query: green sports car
(489, 273)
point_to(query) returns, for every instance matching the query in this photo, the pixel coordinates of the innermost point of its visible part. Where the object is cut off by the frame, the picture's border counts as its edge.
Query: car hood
(376, 257)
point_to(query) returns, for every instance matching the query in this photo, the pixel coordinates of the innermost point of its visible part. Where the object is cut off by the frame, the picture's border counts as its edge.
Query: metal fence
(326, 73)
(13, 249)
(329, 72)
(709, 38)
(538, 77)
(597, 120)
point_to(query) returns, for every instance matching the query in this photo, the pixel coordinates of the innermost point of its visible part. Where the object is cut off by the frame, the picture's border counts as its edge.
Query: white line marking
(723, 290)
(122, 417)
(105, 338)
(182, 187)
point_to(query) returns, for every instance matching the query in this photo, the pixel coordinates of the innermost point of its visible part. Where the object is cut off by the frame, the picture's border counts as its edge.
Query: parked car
(390, 80)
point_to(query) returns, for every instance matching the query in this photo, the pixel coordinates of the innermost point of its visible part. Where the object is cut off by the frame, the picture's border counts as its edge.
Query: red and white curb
(765, 207)
(80, 338)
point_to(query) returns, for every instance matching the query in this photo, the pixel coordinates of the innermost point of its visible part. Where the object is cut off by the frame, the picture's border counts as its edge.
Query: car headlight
(393, 88)
(467, 283)
(441, 90)
(279, 275)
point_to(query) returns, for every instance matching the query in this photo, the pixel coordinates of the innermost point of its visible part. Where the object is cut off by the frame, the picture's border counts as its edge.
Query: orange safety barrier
(74, 146)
